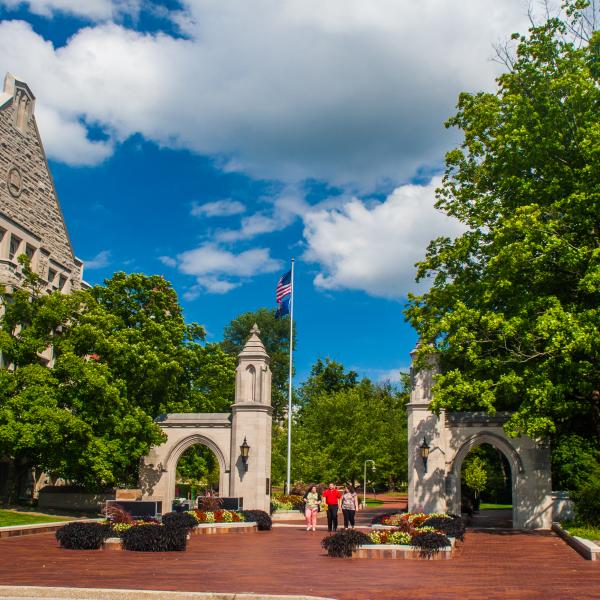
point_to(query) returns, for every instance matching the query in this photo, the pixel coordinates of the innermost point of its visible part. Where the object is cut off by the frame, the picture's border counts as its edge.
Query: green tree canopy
(474, 474)
(342, 422)
(275, 335)
(122, 355)
(514, 306)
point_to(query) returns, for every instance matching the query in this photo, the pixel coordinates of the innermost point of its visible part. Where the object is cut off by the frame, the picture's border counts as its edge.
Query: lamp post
(424, 448)
(244, 452)
(365, 480)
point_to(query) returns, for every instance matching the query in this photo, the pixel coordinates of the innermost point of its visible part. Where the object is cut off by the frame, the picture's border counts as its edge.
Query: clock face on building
(14, 182)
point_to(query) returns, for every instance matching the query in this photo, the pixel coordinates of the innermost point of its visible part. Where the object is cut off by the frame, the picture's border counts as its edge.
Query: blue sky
(211, 142)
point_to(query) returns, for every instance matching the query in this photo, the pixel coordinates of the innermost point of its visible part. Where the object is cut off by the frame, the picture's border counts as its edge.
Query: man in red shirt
(332, 497)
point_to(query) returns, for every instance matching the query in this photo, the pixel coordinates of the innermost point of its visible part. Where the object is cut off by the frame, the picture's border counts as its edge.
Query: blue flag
(283, 295)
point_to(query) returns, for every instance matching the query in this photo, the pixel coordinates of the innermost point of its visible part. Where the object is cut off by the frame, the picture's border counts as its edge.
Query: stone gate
(249, 422)
(434, 483)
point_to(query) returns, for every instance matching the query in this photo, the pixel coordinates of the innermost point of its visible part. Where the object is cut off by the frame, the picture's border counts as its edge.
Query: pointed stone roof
(254, 347)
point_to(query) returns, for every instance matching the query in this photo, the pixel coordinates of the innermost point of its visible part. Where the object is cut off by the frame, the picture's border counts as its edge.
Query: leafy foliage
(452, 525)
(475, 474)
(342, 543)
(514, 305)
(429, 543)
(388, 536)
(587, 502)
(260, 517)
(82, 536)
(574, 460)
(122, 355)
(182, 520)
(342, 422)
(198, 465)
(155, 538)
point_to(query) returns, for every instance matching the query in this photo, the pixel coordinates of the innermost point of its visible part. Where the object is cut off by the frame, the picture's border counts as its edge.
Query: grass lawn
(14, 517)
(582, 530)
(489, 505)
(373, 502)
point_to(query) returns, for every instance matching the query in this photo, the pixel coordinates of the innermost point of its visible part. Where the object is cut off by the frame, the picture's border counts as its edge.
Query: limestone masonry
(31, 221)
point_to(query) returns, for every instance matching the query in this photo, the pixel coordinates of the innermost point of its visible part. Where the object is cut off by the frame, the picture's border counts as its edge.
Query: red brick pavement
(508, 565)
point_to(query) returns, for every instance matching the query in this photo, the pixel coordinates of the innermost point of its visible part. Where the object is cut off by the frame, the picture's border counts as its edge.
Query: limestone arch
(223, 433)
(194, 439)
(501, 444)
(434, 484)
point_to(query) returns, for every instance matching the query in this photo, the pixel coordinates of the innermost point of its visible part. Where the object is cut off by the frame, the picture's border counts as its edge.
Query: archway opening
(197, 474)
(487, 487)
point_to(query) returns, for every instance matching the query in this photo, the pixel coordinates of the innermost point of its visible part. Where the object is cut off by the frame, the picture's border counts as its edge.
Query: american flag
(284, 287)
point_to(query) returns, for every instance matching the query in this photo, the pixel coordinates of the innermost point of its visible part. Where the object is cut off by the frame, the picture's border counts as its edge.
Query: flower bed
(287, 502)
(217, 516)
(402, 535)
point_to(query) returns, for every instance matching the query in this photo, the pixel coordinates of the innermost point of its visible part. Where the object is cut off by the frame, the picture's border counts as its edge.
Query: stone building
(31, 221)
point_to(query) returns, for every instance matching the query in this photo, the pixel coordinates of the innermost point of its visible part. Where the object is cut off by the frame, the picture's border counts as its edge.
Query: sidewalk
(491, 564)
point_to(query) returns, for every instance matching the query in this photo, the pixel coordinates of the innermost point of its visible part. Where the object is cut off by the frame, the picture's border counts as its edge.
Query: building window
(13, 249)
(51, 275)
(2, 236)
(62, 281)
(30, 251)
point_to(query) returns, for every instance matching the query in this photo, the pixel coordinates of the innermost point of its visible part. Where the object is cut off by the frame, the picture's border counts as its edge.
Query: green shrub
(183, 520)
(429, 543)
(451, 525)
(260, 517)
(83, 536)
(587, 502)
(155, 538)
(574, 460)
(342, 543)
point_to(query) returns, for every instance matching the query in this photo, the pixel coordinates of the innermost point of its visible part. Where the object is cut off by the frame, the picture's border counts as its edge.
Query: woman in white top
(349, 506)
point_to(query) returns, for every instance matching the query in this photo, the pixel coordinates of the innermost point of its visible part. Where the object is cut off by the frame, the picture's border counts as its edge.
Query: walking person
(312, 503)
(349, 506)
(332, 498)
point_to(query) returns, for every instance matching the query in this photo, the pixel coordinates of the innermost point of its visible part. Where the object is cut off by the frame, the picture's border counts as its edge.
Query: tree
(73, 420)
(198, 466)
(514, 306)
(122, 355)
(475, 476)
(275, 335)
(342, 422)
(326, 377)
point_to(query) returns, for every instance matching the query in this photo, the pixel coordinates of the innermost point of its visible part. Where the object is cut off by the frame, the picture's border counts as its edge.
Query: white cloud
(219, 208)
(374, 249)
(282, 211)
(346, 91)
(68, 139)
(168, 261)
(92, 9)
(101, 260)
(218, 271)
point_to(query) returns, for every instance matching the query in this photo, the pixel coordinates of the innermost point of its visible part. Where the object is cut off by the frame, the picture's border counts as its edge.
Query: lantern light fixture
(244, 453)
(424, 448)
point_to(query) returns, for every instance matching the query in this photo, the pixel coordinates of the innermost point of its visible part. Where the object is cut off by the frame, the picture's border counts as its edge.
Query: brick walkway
(508, 565)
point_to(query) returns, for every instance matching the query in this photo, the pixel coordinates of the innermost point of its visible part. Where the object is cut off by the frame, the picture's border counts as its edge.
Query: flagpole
(289, 440)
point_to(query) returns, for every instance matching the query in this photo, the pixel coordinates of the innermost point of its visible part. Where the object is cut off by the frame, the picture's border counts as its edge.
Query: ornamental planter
(221, 528)
(112, 544)
(398, 551)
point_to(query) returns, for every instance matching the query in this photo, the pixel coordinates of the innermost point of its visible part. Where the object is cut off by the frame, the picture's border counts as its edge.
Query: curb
(119, 594)
(17, 530)
(585, 548)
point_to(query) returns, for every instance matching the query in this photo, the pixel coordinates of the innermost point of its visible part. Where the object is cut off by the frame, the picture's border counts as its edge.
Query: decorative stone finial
(254, 345)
